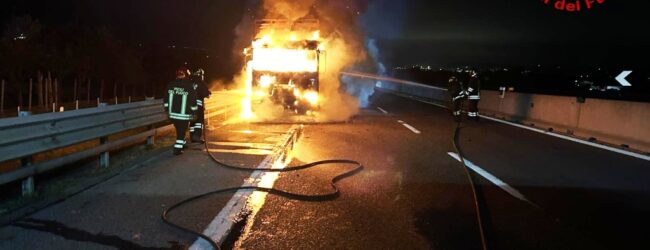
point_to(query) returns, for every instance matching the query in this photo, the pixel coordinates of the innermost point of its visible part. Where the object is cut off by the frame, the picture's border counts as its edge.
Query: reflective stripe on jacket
(180, 101)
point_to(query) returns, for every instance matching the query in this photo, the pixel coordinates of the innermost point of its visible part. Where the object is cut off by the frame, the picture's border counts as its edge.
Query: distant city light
(22, 36)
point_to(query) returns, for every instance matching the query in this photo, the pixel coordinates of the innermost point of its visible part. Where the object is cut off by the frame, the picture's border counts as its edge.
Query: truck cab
(284, 63)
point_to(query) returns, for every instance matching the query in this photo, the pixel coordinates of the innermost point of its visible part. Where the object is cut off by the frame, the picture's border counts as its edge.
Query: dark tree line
(67, 62)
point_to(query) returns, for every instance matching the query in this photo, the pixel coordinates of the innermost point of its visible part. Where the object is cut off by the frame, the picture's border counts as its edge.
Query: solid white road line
(588, 143)
(499, 183)
(222, 224)
(413, 129)
(382, 110)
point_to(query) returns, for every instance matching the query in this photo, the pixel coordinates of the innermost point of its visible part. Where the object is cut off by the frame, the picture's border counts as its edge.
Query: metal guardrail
(214, 108)
(30, 170)
(23, 137)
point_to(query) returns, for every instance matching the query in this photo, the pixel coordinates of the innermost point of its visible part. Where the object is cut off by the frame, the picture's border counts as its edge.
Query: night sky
(514, 32)
(438, 32)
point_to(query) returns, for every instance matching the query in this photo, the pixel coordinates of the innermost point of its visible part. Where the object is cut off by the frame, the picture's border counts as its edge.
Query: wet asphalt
(124, 212)
(411, 195)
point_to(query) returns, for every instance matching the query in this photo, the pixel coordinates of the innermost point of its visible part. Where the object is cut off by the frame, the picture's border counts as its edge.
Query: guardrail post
(28, 183)
(151, 139)
(104, 156)
(2, 98)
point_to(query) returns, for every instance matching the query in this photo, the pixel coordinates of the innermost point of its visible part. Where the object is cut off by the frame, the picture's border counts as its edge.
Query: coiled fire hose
(335, 193)
(312, 198)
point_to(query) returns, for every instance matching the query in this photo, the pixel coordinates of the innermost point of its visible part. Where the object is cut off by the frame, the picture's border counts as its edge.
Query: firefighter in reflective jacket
(458, 93)
(474, 95)
(202, 92)
(180, 105)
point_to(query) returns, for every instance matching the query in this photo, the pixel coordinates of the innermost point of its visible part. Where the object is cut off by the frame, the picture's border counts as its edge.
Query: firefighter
(458, 93)
(180, 105)
(474, 95)
(202, 92)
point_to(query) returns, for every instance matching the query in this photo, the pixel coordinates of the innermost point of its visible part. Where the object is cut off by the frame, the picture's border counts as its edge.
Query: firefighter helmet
(199, 72)
(182, 72)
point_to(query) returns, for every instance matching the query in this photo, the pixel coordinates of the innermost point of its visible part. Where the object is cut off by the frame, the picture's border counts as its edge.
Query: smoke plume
(289, 9)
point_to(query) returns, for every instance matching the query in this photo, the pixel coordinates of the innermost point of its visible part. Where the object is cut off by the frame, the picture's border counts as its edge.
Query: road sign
(621, 78)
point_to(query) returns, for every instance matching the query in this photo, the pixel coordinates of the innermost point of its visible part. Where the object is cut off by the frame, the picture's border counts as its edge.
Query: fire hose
(335, 193)
(314, 198)
(477, 207)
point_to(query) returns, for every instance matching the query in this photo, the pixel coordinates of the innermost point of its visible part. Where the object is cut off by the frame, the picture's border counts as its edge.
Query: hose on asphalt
(335, 193)
(477, 207)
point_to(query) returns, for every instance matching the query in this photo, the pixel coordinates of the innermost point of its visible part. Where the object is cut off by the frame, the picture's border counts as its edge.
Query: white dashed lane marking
(413, 129)
(496, 181)
(382, 110)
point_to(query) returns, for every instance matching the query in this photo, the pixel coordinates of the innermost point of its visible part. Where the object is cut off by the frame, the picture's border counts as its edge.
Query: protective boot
(179, 146)
(196, 138)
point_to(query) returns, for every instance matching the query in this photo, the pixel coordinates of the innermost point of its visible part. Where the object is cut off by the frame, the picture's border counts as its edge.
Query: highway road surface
(535, 191)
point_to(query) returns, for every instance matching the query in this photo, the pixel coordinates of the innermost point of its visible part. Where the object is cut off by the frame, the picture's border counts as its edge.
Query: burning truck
(284, 64)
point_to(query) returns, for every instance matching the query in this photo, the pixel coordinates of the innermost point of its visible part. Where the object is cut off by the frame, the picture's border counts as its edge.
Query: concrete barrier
(618, 123)
(622, 123)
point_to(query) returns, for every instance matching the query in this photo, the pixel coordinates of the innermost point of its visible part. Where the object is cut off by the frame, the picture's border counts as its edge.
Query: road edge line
(409, 127)
(588, 143)
(221, 226)
(560, 136)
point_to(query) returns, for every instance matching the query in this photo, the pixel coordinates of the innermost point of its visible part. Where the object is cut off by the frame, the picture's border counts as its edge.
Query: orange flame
(275, 51)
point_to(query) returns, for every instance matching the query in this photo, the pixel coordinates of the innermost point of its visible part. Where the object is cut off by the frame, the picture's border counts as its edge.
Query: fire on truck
(283, 64)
